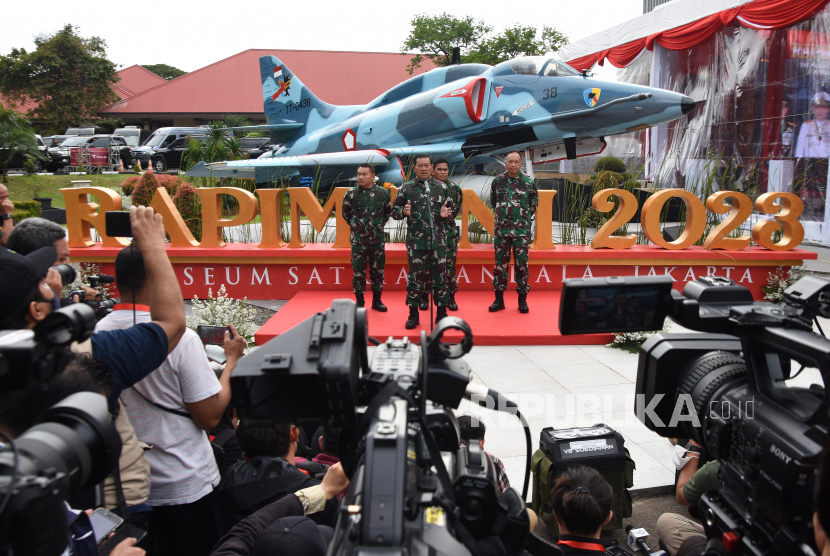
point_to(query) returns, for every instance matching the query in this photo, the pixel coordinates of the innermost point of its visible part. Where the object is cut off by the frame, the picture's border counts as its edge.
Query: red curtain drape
(760, 14)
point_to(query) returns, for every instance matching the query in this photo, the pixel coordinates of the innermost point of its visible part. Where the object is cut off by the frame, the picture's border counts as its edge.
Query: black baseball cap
(291, 536)
(19, 274)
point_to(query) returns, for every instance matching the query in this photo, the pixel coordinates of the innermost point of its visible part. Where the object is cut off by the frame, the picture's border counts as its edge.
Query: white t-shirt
(182, 466)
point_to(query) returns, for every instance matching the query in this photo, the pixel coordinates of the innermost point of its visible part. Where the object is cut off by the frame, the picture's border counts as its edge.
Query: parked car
(133, 134)
(58, 139)
(16, 163)
(171, 156)
(60, 156)
(84, 131)
(255, 147)
(158, 148)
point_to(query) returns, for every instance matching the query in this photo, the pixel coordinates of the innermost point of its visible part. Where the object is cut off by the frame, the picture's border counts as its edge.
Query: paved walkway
(564, 387)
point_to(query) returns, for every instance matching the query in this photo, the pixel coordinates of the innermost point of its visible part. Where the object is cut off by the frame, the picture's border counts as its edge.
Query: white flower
(223, 310)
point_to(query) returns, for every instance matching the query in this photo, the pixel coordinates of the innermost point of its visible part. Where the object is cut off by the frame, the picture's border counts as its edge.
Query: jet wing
(266, 169)
(348, 158)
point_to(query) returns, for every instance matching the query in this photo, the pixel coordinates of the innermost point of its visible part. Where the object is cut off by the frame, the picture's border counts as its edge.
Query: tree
(164, 71)
(68, 76)
(233, 120)
(435, 37)
(16, 136)
(517, 41)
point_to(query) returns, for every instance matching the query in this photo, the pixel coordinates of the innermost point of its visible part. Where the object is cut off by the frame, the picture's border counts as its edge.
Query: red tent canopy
(759, 14)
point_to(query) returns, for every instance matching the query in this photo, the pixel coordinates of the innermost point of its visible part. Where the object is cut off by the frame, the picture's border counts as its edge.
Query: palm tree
(233, 120)
(16, 136)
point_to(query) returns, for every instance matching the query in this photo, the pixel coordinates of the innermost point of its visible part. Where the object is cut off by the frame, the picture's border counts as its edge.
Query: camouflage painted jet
(469, 114)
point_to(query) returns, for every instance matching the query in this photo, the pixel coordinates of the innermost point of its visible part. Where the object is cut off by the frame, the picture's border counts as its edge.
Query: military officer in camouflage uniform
(441, 172)
(366, 208)
(514, 199)
(424, 203)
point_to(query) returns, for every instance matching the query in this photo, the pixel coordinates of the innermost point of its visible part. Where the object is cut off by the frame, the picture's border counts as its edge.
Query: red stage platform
(508, 327)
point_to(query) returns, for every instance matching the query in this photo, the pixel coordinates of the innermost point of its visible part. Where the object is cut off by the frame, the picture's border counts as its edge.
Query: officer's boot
(413, 318)
(359, 298)
(377, 304)
(442, 313)
(523, 308)
(498, 304)
(424, 302)
(452, 305)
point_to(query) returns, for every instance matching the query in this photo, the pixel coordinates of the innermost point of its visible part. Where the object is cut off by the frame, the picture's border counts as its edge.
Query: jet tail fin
(288, 101)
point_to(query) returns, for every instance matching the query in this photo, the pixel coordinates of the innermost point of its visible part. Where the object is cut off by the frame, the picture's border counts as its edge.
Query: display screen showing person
(814, 135)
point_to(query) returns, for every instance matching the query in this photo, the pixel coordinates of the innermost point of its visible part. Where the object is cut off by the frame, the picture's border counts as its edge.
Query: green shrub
(129, 184)
(189, 205)
(631, 185)
(144, 190)
(170, 183)
(605, 180)
(611, 163)
(29, 166)
(25, 209)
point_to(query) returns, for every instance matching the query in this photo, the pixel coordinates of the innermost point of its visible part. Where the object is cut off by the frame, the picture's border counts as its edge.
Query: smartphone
(213, 334)
(127, 531)
(103, 523)
(118, 224)
(617, 550)
(614, 304)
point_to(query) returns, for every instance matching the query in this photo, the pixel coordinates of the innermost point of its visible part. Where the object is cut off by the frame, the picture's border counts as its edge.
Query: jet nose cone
(686, 104)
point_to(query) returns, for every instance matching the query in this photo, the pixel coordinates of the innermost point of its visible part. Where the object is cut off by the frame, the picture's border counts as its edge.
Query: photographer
(267, 473)
(171, 409)
(581, 501)
(33, 233)
(673, 529)
(253, 534)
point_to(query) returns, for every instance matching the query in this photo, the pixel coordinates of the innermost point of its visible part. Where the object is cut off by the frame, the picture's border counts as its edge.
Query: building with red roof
(233, 86)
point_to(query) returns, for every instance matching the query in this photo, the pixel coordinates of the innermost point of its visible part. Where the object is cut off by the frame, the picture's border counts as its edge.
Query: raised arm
(400, 204)
(166, 305)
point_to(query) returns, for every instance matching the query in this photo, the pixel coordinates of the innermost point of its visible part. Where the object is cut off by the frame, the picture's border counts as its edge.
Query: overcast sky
(190, 35)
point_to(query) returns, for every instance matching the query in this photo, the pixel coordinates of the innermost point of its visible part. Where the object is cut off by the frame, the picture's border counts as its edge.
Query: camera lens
(704, 380)
(67, 272)
(75, 437)
(74, 323)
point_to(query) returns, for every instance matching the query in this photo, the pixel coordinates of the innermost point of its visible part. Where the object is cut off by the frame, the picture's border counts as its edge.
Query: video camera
(726, 389)
(73, 447)
(101, 307)
(414, 488)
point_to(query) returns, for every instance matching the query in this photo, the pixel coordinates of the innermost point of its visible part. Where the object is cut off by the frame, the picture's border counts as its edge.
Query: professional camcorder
(414, 488)
(727, 389)
(102, 308)
(73, 447)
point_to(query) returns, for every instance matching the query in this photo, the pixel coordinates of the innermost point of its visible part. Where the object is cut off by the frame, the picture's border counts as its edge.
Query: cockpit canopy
(535, 65)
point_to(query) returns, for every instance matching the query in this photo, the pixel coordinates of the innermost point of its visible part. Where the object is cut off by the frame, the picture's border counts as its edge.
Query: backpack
(545, 473)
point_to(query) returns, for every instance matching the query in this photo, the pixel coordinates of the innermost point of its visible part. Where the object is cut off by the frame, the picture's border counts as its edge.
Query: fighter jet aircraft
(468, 113)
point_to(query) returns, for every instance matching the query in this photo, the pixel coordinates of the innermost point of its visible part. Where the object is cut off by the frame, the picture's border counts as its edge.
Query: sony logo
(780, 453)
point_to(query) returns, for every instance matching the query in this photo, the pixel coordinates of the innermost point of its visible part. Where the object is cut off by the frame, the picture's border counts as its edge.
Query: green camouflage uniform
(453, 237)
(366, 210)
(514, 202)
(419, 239)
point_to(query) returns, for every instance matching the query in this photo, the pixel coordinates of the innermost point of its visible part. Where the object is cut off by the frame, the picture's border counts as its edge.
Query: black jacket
(241, 539)
(248, 486)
